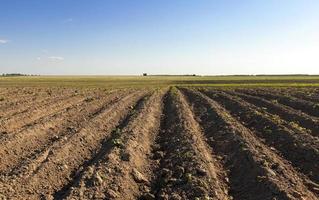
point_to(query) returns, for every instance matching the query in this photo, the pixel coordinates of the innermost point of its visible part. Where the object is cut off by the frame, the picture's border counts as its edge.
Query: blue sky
(159, 36)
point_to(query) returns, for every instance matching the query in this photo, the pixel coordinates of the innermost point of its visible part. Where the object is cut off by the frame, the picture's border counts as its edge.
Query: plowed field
(169, 143)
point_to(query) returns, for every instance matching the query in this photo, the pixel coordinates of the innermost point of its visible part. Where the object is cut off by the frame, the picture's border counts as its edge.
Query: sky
(129, 37)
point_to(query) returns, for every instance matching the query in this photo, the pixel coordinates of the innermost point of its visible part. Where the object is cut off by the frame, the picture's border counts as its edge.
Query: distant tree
(14, 74)
(144, 74)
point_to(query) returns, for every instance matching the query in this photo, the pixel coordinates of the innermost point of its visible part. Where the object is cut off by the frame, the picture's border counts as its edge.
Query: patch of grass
(297, 126)
(159, 81)
(118, 143)
(188, 177)
(277, 119)
(116, 132)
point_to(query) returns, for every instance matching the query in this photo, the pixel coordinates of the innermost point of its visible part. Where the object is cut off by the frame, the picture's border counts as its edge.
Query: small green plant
(116, 132)
(174, 91)
(133, 112)
(297, 126)
(257, 112)
(118, 143)
(188, 154)
(188, 177)
(277, 119)
(268, 131)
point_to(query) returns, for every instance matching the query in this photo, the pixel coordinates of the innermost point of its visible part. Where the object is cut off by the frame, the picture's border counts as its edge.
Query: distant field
(151, 81)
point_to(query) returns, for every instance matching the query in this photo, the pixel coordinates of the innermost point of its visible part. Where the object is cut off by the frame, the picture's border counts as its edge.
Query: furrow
(16, 93)
(22, 149)
(299, 93)
(27, 119)
(296, 119)
(254, 171)
(313, 96)
(45, 121)
(187, 167)
(26, 96)
(23, 105)
(301, 149)
(298, 104)
(65, 158)
(4, 91)
(111, 176)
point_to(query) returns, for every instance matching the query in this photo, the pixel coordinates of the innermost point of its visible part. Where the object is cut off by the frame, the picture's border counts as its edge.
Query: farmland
(147, 138)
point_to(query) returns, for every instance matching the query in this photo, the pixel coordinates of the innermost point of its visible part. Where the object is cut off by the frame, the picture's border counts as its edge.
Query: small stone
(166, 173)
(176, 196)
(162, 195)
(271, 172)
(97, 179)
(62, 167)
(172, 180)
(125, 156)
(70, 129)
(201, 171)
(297, 194)
(158, 155)
(90, 170)
(199, 191)
(56, 137)
(138, 177)
(144, 188)
(179, 171)
(2, 197)
(46, 196)
(99, 195)
(315, 189)
(108, 170)
(148, 196)
(111, 194)
(275, 166)
(220, 157)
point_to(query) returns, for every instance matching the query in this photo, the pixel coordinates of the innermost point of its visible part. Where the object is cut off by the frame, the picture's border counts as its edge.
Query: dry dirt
(170, 143)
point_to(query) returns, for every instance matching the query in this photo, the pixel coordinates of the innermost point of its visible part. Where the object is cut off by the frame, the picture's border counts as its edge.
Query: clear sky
(159, 36)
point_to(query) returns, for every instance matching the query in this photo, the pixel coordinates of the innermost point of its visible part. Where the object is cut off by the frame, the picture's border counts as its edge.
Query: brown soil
(187, 167)
(28, 143)
(301, 149)
(57, 165)
(169, 143)
(298, 104)
(255, 170)
(288, 114)
(112, 174)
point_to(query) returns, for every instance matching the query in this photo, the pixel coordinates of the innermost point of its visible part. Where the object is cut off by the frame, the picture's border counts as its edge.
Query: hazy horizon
(122, 37)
